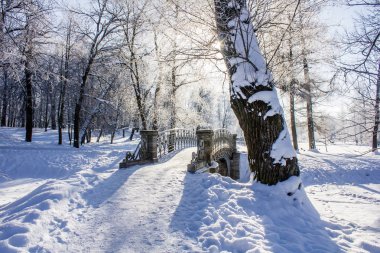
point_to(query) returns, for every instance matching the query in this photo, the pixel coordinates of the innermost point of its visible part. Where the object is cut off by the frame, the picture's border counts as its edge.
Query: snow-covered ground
(59, 199)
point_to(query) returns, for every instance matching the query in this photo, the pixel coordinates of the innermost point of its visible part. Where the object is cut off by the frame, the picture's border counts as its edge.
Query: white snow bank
(44, 158)
(28, 214)
(236, 217)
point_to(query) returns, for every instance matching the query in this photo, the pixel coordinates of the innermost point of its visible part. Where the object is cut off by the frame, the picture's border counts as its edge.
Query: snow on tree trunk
(377, 112)
(254, 97)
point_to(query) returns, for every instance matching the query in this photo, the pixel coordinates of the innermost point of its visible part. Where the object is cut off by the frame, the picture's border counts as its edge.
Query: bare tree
(104, 21)
(29, 26)
(133, 27)
(364, 43)
(64, 76)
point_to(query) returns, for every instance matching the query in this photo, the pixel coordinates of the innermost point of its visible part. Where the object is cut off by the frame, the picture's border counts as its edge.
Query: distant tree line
(155, 64)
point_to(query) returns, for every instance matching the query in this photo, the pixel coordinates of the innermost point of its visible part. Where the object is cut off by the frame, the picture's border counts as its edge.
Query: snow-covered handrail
(212, 145)
(175, 139)
(222, 139)
(154, 145)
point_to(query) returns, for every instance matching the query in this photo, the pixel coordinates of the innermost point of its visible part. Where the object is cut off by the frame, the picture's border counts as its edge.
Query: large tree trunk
(64, 79)
(173, 90)
(155, 107)
(53, 112)
(2, 57)
(28, 101)
(158, 86)
(173, 114)
(5, 99)
(292, 91)
(46, 122)
(309, 105)
(137, 88)
(307, 90)
(77, 113)
(61, 106)
(78, 105)
(253, 96)
(377, 112)
(293, 117)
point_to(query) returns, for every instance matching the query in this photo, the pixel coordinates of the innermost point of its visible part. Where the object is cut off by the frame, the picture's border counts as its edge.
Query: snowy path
(131, 210)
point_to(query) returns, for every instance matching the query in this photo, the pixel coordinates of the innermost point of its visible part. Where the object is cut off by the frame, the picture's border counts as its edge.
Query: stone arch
(224, 166)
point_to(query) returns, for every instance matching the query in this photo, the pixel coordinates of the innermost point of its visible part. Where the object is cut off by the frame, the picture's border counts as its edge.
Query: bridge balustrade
(212, 145)
(175, 139)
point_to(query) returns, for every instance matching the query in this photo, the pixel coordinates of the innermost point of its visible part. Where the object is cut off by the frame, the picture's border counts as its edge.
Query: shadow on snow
(221, 214)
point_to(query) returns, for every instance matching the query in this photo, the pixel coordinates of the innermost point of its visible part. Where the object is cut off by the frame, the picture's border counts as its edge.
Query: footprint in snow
(9, 230)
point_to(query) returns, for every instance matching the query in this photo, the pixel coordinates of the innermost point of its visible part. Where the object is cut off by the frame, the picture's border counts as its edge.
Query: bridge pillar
(234, 137)
(149, 145)
(235, 166)
(204, 142)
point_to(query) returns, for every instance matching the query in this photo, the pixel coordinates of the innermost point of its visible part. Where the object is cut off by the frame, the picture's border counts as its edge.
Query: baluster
(181, 139)
(186, 138)
(164, 143)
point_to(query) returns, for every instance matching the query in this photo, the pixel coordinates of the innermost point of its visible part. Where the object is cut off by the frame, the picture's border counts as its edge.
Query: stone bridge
(216, 149)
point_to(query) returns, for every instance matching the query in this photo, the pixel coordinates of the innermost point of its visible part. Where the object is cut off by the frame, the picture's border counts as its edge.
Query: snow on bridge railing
(223, 140)
(212, 145)
(154, 145)
(175, 139)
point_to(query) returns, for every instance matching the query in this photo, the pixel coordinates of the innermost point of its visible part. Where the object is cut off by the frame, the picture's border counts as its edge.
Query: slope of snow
(95, 207)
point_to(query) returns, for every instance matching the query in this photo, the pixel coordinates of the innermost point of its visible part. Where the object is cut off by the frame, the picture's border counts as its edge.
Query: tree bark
(253, 96)
(173, 89)
(47, 110)
(5, 99)
(309, 105)
(61, 106)
(64, 79)
(28, 100)
(53, 112)
(78, 105)
(158, 86)
(88, 135)
(307, 90)
(292, 90)
(137, 88)
(2, 49)
(293, 125)
(173, 114)
(113, 135)
(100, 135)
(377, 112)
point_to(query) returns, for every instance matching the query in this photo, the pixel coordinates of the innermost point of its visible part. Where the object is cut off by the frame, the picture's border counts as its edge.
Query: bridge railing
(223, 139)
(154, 145)
(212, 145)
(175, 139)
